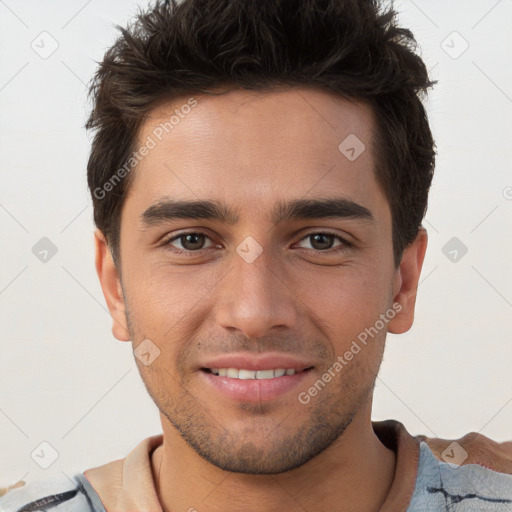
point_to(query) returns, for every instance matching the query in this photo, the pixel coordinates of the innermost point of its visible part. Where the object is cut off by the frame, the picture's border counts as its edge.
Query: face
(280, 272)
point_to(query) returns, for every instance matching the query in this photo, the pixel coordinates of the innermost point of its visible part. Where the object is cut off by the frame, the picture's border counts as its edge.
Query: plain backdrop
(65, 380)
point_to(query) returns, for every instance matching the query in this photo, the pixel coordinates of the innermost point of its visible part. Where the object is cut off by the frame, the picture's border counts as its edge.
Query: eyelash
(333, 250)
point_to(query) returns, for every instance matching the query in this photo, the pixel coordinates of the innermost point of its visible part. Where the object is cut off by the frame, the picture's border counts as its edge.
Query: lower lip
(254, 390)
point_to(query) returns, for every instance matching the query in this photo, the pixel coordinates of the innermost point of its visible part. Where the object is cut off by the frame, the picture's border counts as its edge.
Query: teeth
(246, 374)
(235, 373)
(232, 373)
(265, 374)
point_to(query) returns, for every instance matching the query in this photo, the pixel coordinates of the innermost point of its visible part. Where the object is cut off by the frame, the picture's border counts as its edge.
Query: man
(232, 139)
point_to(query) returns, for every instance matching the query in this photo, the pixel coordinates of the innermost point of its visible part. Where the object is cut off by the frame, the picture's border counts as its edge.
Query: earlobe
(406, 283)
(111, 286)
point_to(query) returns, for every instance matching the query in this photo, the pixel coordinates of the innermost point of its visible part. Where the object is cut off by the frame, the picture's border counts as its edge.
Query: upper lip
(268, 361)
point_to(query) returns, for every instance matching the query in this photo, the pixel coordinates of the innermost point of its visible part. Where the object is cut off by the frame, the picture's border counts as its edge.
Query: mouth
(245, 374)
(253, 385)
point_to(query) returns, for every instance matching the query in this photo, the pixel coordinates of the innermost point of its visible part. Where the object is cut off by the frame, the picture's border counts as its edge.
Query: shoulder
(59, 493)
(469, 473)
(473, 448)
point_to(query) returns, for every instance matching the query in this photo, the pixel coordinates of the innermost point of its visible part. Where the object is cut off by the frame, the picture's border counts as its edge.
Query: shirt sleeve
(58, 494)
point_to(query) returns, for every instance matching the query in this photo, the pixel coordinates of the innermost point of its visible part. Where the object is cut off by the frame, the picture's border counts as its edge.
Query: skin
(249, 150)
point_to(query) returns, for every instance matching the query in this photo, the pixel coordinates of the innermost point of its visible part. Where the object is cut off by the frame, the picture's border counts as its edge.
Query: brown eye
(190, 242)
(323, 241)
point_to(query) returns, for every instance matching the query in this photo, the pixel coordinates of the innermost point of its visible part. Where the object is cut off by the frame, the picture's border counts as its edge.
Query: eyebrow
(338, 207)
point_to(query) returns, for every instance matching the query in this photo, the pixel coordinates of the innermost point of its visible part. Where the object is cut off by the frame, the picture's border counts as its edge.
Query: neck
(354, 473)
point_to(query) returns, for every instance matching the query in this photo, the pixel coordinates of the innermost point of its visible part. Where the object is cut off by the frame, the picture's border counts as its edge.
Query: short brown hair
(349, 47)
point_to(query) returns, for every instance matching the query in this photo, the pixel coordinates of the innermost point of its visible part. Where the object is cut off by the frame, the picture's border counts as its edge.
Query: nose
(256, 296)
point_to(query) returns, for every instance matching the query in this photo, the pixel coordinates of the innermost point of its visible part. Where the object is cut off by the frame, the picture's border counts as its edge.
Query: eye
(190, 242)
(322, 241)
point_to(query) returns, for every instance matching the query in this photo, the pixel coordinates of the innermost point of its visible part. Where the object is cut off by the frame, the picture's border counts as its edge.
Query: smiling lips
(235, 373)
(254, 379)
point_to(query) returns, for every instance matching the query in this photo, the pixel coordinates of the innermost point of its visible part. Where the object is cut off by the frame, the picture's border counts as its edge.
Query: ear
(111, 286)
(405, 284)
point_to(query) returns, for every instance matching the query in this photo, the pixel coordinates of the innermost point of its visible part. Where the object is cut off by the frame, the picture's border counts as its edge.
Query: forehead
(254, 148)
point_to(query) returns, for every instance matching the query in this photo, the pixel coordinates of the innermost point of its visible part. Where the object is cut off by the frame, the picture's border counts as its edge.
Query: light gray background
(65, 380)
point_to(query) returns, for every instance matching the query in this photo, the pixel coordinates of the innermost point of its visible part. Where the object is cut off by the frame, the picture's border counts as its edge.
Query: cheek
(346, 299)
(166, 307)
(163, 296)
